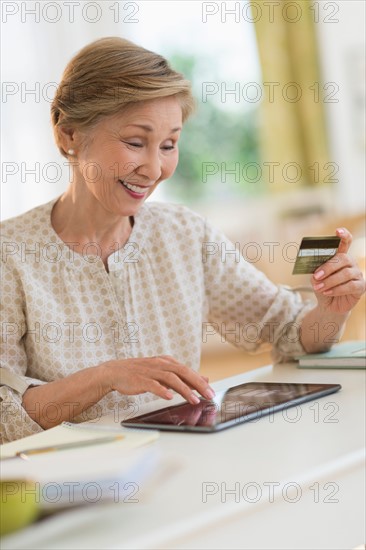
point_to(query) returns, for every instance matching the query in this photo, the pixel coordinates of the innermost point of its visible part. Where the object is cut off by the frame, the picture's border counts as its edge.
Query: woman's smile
(135, 191)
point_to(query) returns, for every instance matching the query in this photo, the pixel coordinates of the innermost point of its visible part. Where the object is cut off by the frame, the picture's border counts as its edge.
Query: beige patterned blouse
(62, 311)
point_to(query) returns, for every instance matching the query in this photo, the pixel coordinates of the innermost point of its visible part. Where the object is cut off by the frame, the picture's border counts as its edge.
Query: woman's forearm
(320, 330)
(62, 400)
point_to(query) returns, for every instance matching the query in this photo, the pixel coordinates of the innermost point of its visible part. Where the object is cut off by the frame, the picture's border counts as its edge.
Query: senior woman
(105, 295)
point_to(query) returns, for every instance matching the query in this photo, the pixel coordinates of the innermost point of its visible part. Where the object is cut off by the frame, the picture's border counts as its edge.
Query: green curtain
(293, 131)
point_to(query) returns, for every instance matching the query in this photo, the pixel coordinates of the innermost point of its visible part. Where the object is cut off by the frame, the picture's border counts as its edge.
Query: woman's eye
(133, 144)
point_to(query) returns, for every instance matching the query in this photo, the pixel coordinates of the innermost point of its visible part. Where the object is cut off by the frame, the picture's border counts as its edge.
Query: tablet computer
(238, 404)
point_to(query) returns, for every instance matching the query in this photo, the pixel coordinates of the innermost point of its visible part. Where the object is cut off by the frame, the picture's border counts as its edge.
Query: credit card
(313, 252)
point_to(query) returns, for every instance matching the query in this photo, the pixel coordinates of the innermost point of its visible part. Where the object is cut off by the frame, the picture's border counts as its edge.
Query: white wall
(35, 51)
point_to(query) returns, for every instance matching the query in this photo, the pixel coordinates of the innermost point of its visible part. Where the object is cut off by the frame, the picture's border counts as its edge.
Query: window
(216, 50)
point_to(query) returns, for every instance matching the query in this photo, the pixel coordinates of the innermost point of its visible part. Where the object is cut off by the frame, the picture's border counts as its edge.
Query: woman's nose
(150, 166)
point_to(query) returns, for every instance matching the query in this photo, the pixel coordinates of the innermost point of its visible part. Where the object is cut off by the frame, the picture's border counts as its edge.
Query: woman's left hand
(338, 283)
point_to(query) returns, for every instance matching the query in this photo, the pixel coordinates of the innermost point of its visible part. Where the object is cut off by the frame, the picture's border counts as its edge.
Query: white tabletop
(293, 480)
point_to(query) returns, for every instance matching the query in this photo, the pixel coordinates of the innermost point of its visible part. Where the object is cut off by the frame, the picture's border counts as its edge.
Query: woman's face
(122, 160)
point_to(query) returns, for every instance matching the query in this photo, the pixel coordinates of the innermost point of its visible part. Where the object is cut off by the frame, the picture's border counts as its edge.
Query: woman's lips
(137, 192)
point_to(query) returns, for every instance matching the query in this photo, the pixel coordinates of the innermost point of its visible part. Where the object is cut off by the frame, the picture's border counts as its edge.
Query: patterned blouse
(171, 286)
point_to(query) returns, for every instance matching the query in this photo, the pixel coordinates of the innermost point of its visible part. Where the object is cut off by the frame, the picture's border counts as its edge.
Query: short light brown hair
(108, 75)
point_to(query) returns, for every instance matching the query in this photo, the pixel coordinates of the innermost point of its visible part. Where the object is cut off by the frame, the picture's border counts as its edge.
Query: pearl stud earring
(71, 152)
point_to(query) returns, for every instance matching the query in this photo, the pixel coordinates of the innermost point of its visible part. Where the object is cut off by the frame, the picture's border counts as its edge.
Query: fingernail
(209, 393)
(318, 286)
(318, 274)
(194, 399)
(340, 231)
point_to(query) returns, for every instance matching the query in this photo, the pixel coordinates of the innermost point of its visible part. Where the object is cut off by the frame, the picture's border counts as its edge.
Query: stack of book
(78, 464)
(347, 355)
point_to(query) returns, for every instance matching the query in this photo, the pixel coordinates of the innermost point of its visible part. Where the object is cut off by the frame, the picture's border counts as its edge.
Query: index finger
(193, 379)
(346, 239)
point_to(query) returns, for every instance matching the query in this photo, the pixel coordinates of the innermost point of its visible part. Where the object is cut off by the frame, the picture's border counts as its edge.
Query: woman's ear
(67, 139)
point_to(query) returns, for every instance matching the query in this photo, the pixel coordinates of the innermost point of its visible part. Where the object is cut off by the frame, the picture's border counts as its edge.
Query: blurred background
(276, 148)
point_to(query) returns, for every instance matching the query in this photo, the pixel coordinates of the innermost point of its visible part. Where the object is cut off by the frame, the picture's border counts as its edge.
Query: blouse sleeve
(15, 422)
(244, 306)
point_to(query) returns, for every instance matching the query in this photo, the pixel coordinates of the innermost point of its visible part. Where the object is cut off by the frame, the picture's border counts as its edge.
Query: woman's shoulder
(28, 225)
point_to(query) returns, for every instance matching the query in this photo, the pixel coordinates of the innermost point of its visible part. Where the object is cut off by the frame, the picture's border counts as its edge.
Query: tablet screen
(236, 405)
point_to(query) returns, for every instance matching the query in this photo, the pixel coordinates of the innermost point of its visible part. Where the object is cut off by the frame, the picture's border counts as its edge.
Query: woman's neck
(86, 221)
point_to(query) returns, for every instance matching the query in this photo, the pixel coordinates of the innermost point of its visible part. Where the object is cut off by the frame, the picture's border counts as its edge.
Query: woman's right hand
(158, 375)
(66, 398)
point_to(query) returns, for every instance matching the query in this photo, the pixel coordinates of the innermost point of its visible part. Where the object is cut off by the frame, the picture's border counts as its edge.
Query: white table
(297, 482)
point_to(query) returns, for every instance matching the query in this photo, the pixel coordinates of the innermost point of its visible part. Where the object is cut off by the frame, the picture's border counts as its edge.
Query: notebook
(67, 432)
(347, 355)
